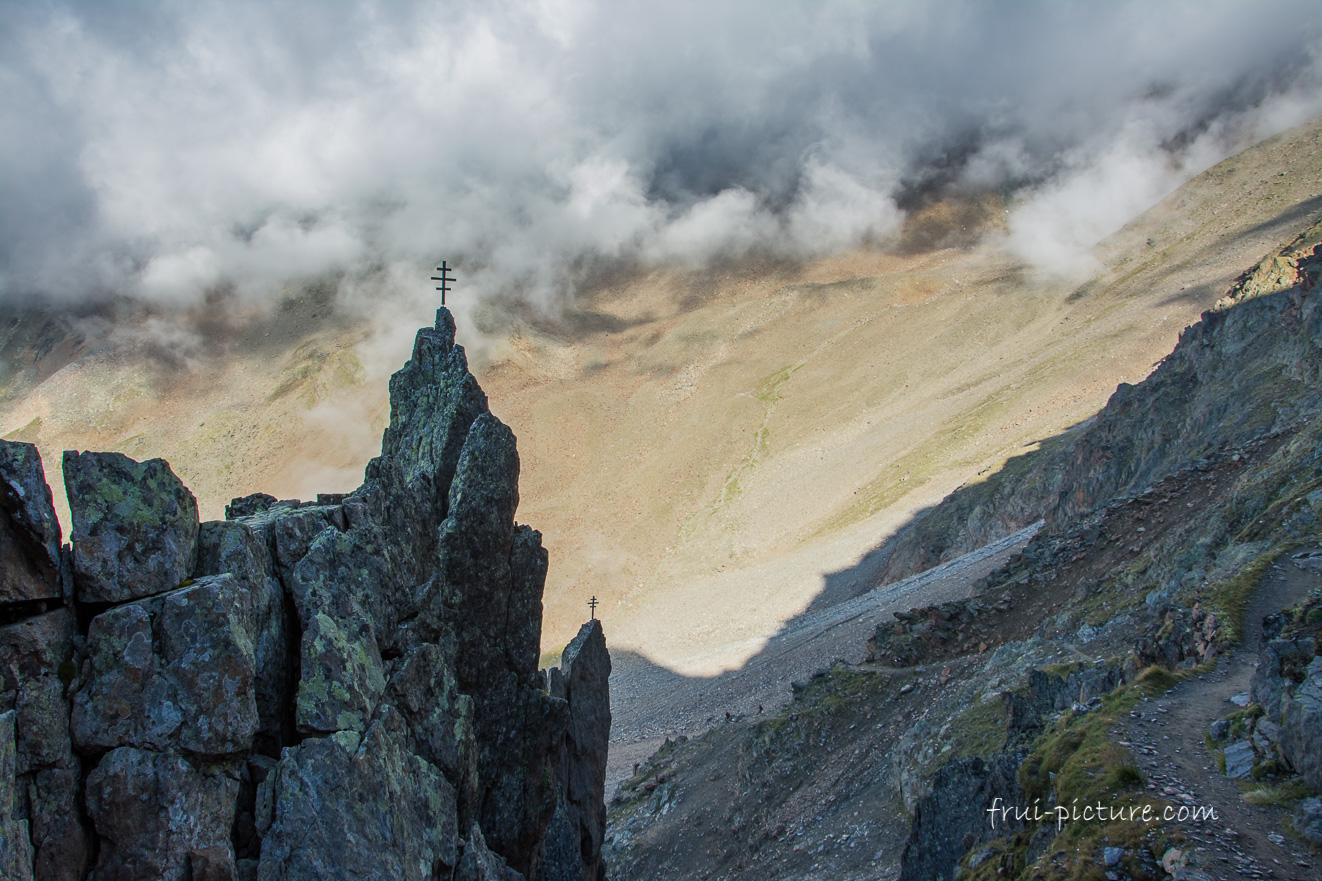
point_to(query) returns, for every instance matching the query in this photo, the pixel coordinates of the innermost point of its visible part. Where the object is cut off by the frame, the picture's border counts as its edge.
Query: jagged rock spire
(343, 689)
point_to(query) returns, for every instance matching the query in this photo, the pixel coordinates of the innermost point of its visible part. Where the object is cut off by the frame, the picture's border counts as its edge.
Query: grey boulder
(29, 532)
(134, 526)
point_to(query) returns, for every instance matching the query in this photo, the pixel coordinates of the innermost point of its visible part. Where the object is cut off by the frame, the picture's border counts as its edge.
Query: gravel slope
(650, 703)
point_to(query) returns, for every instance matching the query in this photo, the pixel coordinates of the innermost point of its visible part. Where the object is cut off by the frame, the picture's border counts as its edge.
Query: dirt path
(650, 703)
(1166, 737)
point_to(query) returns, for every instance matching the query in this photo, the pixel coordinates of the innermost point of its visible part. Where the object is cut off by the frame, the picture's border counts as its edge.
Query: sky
(162, 151)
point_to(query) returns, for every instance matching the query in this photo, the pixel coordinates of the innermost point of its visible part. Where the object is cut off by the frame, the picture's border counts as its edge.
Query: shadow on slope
(1241, 374)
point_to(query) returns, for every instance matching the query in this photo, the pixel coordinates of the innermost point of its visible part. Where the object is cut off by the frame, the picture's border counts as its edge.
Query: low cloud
(160, 151)
(1056, 224)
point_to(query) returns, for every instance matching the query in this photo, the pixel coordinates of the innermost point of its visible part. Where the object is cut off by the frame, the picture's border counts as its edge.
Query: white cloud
(180, 276)
(1054, 227)
(727, 224)
(833, 210)
(153, 150)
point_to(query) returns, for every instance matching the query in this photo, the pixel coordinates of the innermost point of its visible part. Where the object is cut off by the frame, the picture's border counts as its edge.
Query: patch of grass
(979, 730)
(825, 704)
(1156, 680)
(999, 859)
(1267, 770)
(1098, 603)
(1229, 599)
(768, 390)
(1281, 795)
(1076, 761)
(1074, 755)
(1124, 776)
(1240, 721)
(28, 434)
(1063, 670)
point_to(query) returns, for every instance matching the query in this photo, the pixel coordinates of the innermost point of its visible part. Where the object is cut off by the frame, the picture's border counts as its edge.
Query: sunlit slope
(700, 448)
(285, 402)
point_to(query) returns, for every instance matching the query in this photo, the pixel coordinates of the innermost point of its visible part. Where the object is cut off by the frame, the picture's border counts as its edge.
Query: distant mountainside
(1228, 382)
(705, 447)
(1157, 643)
(699, 445)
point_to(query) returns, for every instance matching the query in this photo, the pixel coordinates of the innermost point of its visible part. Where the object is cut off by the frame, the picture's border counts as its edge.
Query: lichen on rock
(323, 690)
(134, 526)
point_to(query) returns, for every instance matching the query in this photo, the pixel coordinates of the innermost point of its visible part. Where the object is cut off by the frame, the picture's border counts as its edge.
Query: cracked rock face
(359, 807)
(332, 690)
(157, 814)
(175, 670)
(134, 526)
(40, 776)
(29, 532)
(579, 824)
(1288, 687)
(952, 819)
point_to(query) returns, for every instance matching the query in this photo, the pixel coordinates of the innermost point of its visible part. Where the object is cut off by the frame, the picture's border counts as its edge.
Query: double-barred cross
(592, 604)
(444, 278)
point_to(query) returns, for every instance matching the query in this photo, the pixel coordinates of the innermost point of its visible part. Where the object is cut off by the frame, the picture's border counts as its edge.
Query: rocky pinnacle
(336, 690)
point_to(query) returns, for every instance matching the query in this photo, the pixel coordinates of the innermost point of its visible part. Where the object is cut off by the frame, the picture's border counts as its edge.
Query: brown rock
(226, 547)
(61, 842)
(583, 681)
(206, 637)
(36, 659)
(347, 807)
(124, 698)
(173, 670)
(479, 863)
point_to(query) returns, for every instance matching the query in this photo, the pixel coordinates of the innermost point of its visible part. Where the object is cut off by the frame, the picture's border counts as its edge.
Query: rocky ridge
(1164, 515)
(1192, 405)
(345, 688)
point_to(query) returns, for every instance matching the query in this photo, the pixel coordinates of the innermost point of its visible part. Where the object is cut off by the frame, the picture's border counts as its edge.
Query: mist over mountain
(970, 349)
(165, 152)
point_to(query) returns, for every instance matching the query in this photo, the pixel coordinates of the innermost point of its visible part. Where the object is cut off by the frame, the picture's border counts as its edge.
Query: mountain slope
(731, 440)
(1188, 510)
(700, 446)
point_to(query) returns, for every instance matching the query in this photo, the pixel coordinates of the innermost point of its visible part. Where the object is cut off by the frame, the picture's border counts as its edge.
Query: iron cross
(444, 278)
(592, 604)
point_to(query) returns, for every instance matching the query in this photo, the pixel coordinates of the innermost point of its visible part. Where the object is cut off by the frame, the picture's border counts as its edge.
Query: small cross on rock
(444, 278)
(592, 605)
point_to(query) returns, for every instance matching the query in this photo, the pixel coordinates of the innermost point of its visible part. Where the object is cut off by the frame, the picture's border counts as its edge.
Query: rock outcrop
(1263, 346)
(962, 812)
(340, 689)
(920, 633)
(1281, 727)
(29, 532)
(134, 526)
(41, 778)
(579, 823)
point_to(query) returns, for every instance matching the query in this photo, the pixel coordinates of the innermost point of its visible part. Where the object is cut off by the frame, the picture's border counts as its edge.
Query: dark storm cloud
(159, 150)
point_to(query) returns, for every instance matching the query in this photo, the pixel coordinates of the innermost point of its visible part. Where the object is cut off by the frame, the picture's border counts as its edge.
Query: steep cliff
(1083, 672)
(1238, 374)
(345, 688)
